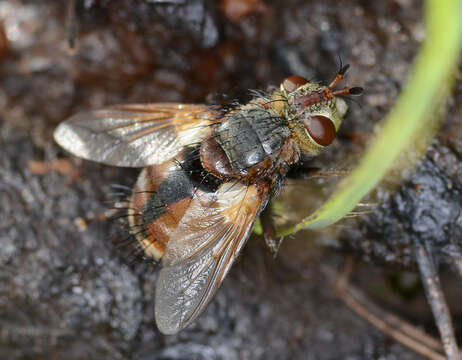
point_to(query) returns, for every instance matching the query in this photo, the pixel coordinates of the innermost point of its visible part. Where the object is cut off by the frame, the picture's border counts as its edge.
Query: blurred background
(67, 292)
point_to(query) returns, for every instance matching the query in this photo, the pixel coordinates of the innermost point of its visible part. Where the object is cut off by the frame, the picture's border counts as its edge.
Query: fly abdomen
(161, 197)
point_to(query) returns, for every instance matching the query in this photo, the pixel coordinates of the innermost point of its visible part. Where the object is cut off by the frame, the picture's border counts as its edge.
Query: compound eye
(293, 82)
(321, 129)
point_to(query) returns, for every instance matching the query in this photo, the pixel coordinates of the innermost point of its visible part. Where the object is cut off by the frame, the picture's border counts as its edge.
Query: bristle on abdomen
(160, 198)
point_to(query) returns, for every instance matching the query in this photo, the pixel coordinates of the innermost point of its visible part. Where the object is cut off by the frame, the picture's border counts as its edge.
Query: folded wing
(135, 135)
(202, 249)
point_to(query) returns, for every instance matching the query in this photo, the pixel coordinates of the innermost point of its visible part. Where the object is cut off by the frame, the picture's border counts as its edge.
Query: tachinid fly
(208, 174)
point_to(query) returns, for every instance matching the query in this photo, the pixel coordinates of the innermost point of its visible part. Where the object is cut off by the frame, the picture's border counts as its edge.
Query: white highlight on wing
(133, 135)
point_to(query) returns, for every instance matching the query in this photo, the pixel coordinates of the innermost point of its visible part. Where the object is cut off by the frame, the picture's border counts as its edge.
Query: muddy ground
(67, 292)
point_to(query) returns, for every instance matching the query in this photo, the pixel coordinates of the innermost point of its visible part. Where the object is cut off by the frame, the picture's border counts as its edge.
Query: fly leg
(317, 172)
(269, 232)
(302, 172)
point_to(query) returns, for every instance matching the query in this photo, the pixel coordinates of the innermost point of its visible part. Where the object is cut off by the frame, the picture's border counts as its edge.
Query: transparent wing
(201, 251)
(135, 135)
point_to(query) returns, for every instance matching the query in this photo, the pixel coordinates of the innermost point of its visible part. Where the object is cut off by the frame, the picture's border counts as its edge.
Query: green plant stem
(418, 106)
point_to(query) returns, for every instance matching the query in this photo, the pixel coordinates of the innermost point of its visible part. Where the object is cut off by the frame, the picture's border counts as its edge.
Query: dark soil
(67, 292)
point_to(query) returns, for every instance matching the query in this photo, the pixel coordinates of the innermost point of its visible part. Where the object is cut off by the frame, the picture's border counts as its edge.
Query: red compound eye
(293, 82)
(321, 129)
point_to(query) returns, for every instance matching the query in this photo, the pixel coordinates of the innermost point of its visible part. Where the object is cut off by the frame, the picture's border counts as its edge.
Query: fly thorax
(250, 135)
